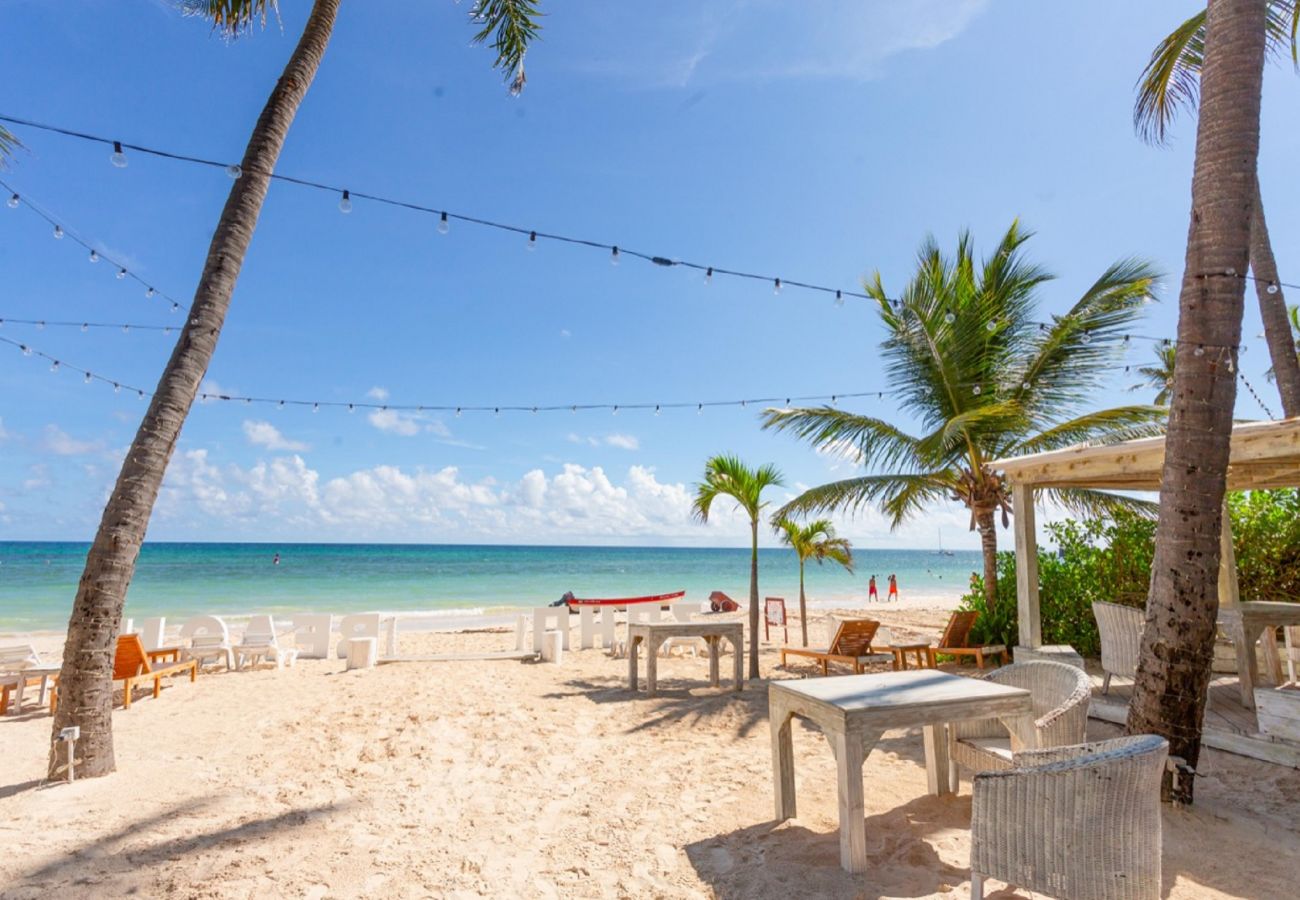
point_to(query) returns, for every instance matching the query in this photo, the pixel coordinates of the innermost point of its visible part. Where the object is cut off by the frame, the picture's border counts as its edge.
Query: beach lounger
(21, 667)
(132, 666)
(851, 646)
(261, 642)
(956, 640)
(209, 639)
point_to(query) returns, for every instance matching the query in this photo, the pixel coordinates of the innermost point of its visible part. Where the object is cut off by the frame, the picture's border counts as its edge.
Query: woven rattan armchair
(1120, 628)
(1060, 696)
(1079, 822)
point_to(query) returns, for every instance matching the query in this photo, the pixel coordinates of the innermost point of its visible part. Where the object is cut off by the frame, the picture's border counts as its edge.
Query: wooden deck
(1228, 725)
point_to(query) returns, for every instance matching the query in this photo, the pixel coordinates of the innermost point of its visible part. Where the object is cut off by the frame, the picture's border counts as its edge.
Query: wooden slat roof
(1263, 455)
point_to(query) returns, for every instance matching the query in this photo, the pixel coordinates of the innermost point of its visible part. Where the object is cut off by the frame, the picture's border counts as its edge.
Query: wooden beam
(1228, 590)
(1022, 522)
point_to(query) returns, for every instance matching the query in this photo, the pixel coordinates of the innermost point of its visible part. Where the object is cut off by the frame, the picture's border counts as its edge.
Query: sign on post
(774, 615)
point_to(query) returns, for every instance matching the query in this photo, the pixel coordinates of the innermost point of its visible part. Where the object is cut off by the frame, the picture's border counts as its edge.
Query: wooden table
(854, 710)
(16, 683)
(922, 650)
(653, 634)
(1245, 622)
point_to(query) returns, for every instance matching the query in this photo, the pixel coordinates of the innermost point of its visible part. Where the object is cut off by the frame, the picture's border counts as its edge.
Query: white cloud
(60, 443)
(395, 422)
(38, 476)
(621, 441)
(264, 434)
(566, 333)
(378, 393)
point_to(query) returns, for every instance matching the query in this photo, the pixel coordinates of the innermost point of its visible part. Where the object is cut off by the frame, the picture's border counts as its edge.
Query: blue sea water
(38, 580)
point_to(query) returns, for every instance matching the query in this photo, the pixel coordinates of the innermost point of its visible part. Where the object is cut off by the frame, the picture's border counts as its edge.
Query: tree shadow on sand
(136, 847)
(789, 859)
(679, 701)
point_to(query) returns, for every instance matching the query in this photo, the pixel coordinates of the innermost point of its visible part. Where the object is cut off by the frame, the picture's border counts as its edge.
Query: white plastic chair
(209, 639)
(260, 642)
(682, 611)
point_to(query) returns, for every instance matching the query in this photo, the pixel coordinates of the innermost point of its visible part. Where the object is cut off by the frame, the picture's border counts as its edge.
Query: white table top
(685, 629)
(896, 690)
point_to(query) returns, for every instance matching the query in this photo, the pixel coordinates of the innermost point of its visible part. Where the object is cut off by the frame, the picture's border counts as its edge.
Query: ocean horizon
(38, 579)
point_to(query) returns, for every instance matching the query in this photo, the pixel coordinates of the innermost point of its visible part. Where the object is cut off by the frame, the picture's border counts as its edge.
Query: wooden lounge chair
(851, 646)
(132, 666)
(956, 640)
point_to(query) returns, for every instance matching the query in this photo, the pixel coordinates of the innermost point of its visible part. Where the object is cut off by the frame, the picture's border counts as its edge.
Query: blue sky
(818, 141)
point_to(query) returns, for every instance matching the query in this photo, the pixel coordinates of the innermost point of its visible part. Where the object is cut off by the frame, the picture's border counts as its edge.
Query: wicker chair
(1081, 822)
(1060, 695)
(1120, 628)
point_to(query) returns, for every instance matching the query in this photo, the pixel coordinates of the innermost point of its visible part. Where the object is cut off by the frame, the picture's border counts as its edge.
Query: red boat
(617, 602)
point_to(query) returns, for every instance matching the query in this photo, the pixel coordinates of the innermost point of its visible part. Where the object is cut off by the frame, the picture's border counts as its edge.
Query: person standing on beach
(893, 588)
(872, 593)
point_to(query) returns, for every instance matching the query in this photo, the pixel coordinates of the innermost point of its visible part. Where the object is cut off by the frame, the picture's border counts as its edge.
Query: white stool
(553, 647)
(362, 653)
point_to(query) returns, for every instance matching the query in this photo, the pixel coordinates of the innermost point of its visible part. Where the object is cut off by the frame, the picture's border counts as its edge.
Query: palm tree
(1293, 320)
(84, 682)
(963, 354)
(1170, 82)
(1160, 375)
(815, 540)
(1178, 639)
(727, 476)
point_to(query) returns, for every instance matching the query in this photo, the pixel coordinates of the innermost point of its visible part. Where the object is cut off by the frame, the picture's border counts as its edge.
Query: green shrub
(1110, 559)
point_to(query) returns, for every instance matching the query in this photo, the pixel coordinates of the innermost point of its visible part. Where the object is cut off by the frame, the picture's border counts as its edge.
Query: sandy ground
(510, 779)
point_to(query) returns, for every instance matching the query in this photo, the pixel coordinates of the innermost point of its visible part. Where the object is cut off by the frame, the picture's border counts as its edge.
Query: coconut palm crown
(728, 476)
(1159, 376)
(965, 358)
(815, 540)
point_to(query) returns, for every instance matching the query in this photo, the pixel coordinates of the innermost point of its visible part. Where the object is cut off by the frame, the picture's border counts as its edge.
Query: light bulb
(345, 204)
(708, 275)
(656, 409)
(94, 257)
(85, 326)
(315, 407)
(121, 273)
(281, 404)
(699, 410)
(1085, 338)
(118, 158)
(1024, 385)
(613, 257)
(532, 240)
(839, 298)
(1272, 288)
(167, 329)
(13, 202)
(458, 412)
(443, 225)
(140, 393)
(54, 366)
(950, 317)
(1229, 271)
(235, 171)
(58, 232)
(175, 306)
(776, 285)
(1199, 351)
(991, 325)
(149, 292)
(117, 388)
(497, 411)
(977, 390)
(88, 378)
(27, 351)
(40, 326)
(615, 411)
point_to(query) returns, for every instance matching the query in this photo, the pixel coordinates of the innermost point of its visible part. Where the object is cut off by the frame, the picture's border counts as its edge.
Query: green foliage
(728, 476)
(511, 25)
(1110, 559)
(1266, 537)
(815, 540)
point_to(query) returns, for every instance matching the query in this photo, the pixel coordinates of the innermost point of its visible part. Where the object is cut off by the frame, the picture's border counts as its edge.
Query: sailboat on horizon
(941, 551)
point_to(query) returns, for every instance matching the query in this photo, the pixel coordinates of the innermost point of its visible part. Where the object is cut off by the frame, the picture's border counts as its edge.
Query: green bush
(1110, 559)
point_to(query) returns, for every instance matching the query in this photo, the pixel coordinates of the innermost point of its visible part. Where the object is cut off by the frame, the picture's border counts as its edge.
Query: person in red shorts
(872, 594)
(893, 588)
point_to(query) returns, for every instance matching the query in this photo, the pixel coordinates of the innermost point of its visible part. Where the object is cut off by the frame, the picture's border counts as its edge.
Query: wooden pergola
(1263, 455)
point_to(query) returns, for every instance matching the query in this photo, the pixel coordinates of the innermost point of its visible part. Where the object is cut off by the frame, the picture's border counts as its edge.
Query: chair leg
(979, 658)
(1105, 684)
(976, 886)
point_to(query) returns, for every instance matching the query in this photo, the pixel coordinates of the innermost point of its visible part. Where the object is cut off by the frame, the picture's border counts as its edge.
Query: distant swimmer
(893, 588)
(276, 560)
(872, 593)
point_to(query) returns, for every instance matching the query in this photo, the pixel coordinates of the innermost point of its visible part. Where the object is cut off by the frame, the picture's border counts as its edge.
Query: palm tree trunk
(753, 602)
(803, 608)
(985, 521)
(1272, 310)
(85, 685)
(1178, 640)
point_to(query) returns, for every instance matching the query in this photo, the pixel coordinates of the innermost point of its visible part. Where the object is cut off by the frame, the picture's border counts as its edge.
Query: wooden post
(1228, 590)
(1022, 502)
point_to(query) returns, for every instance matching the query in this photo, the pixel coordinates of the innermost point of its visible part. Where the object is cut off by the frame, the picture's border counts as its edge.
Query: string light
(234, 171)
(776, 286)
(839, 298)
(613, 256)
(708, 276)
(121, 273)
(345, 204)
(532, 240)
(950, 317)
(13, 202)
(58, 232)
(118, 158)
(443, 225)
(94, 256)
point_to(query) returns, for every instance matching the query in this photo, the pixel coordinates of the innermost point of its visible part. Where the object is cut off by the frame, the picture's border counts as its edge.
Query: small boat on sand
(574, 603)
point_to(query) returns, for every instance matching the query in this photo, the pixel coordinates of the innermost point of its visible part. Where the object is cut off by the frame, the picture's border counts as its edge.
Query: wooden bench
(956, 640)
(851, 646)
(132, 666)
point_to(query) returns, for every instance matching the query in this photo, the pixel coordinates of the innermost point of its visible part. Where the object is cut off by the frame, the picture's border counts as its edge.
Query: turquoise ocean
(464, 582)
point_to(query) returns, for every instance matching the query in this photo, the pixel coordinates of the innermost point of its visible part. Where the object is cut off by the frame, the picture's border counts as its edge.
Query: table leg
(651, 666)
(849, 753)
(631, 661)
(1247, 666)
(738, 663)
(715, 648)
(936, 758)
(782, 760)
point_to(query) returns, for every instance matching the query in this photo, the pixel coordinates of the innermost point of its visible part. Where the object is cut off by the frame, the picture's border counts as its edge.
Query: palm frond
(1171, 81)
(1096, 504)
(231, 17)
(1106, 426)
(873, 441)
(897, 495)
(511, 25)
(8, 144)
(727, 475)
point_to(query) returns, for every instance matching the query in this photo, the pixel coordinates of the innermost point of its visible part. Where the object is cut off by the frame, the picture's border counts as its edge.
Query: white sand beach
(507, 779)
